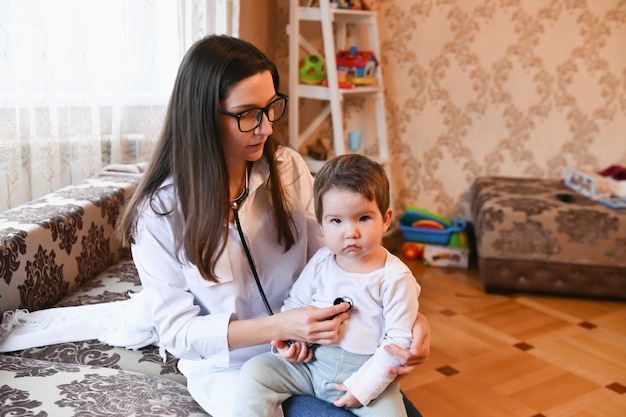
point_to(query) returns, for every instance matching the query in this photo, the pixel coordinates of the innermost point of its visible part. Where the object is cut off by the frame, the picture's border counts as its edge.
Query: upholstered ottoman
(538, 235)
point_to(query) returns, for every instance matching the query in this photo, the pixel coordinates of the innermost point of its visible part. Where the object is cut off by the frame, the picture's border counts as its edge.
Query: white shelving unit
(334, 27)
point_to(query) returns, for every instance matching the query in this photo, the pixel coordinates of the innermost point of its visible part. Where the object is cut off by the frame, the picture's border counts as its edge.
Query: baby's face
(352, 225)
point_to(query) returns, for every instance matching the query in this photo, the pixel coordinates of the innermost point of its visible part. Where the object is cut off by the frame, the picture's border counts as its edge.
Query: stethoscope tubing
(251, 262)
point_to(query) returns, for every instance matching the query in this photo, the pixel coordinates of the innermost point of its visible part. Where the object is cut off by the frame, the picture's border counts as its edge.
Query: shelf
(320, 92)
(337, 34)
(344, 15)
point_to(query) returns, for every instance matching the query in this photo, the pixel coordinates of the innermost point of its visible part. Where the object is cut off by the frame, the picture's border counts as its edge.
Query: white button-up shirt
(191, 314)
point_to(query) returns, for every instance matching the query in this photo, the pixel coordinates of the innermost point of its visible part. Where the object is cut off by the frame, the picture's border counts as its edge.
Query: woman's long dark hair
(190, 150)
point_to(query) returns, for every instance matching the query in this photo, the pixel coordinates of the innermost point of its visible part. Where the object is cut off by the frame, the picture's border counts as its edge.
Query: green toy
(312, 69)
(458, 240)
(428, 214)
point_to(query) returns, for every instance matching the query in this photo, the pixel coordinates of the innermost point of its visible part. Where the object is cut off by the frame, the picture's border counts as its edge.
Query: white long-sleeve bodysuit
(385, 306)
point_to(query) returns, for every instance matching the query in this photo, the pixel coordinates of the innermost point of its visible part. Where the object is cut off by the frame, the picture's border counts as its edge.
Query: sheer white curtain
(84, 84)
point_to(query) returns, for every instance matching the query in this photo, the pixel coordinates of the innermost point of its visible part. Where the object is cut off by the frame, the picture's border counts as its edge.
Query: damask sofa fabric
(538, 235)
(61, 251)
(54, 244)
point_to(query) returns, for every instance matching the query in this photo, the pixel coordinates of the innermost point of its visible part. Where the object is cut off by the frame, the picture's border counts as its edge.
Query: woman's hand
(418, 351)
(320, 326)
(347, 400)
(313, 324)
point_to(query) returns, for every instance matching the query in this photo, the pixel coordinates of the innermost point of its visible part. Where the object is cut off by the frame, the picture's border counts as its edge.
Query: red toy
(357, 67)
(413, 250)
(342, 84)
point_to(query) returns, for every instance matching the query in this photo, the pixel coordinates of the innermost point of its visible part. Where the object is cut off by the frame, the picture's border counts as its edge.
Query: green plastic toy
(429, 214)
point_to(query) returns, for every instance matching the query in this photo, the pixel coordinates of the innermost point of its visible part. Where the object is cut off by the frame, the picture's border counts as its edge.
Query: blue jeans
(305, 406)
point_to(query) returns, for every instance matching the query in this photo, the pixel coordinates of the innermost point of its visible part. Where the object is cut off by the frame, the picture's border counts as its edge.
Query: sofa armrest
(50, 246)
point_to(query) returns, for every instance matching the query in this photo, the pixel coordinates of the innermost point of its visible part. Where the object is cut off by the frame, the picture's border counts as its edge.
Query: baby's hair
(352, 172)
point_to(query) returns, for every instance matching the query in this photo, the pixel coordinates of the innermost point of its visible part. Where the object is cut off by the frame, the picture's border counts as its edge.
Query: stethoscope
(234, 205)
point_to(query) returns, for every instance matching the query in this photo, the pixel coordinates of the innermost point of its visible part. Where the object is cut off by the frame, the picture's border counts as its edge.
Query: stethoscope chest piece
(340, 300)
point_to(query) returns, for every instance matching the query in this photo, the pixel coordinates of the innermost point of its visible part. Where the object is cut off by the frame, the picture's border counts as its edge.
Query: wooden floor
(517, 356)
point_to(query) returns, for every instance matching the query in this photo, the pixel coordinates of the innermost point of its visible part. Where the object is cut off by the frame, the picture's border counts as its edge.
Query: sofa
(537, 235)
(61, 251)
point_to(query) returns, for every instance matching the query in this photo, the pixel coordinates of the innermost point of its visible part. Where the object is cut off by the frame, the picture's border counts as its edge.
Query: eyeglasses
(250, 119)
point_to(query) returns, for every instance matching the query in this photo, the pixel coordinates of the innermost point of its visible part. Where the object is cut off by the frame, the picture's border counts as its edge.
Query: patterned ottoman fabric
(538, 235)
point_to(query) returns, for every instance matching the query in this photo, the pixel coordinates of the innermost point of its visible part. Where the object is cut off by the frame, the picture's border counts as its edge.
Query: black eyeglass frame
(263, 110)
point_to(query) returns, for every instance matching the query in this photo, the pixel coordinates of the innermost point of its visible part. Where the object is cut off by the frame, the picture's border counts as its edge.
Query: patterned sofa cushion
(89, 378)
(538, 235)
(32, 387)
(51, 246)
(113, 284)
(61, 250)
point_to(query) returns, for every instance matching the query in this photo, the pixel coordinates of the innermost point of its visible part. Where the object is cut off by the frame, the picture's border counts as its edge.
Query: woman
(222, 224)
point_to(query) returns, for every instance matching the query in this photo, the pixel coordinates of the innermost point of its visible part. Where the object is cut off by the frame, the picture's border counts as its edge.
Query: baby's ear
(387, 218)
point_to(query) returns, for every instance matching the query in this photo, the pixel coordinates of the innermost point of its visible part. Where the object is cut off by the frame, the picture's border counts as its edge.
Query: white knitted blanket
(125, 324)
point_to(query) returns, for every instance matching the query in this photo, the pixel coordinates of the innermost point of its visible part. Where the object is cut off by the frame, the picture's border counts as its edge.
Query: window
(84, 84)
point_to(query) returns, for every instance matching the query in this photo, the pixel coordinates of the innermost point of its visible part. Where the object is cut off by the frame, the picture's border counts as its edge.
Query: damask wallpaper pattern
(495, 87)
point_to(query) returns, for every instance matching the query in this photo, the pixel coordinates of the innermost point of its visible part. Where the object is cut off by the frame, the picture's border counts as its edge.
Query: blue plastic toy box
(425, 235)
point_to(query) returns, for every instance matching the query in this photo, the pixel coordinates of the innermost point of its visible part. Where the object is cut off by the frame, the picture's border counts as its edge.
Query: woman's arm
(417, 353)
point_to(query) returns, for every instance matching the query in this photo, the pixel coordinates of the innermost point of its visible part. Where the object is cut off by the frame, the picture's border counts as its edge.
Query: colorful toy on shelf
(312, 69)
(342, 84)
(354, 4)
(341, 4)
(356, 67)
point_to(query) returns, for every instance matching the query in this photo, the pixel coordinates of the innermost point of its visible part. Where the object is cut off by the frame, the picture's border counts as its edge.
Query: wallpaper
(519, 88)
